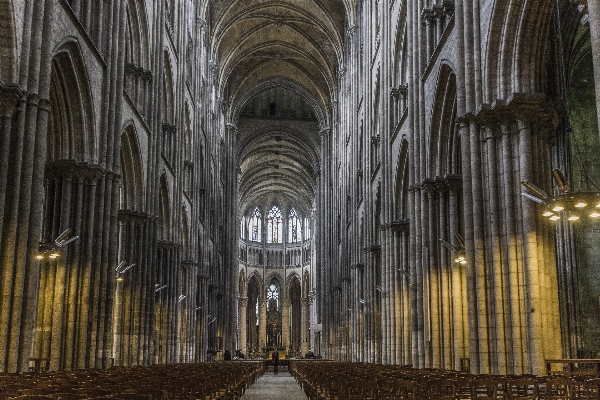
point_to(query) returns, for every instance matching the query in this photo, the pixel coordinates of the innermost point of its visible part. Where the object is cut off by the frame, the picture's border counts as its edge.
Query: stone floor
(276, 387)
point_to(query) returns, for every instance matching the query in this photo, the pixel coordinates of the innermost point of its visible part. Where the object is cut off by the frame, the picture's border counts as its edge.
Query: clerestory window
(254, 230)
(294, 227)
(272, 297)
(275, 226)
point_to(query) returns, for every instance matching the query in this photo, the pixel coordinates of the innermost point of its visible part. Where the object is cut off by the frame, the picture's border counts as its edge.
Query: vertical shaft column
(262, 321)
(243, 304)
(304, 326)
(285, 322)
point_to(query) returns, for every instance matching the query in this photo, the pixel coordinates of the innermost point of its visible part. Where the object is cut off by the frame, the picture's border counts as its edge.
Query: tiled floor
(275, 387)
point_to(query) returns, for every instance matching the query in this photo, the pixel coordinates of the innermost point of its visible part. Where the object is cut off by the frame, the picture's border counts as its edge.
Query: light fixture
(51, 249)
(572, 205)
(121, 269)
(459, 251)
(569, 204)
(158, 287)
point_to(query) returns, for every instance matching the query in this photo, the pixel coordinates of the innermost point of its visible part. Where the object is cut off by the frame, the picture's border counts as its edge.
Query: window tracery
(254, 231)
(275, 226)
(294, 227)
(272, 296)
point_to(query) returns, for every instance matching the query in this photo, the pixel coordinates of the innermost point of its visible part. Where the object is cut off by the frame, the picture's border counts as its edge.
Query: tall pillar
(262, 322)
(304, 326)
(243, 303)
(594, 20)
(285, 322)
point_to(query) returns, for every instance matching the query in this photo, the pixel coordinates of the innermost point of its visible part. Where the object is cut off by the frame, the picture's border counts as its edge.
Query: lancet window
(275, 226)
(294, 227)
(254, 230)
(272, 297)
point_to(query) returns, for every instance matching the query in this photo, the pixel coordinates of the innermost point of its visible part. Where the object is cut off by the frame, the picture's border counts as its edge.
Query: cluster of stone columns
(134, 298)
(75, 290)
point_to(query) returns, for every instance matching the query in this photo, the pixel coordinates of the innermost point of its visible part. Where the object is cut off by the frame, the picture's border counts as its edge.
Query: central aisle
(270, 386)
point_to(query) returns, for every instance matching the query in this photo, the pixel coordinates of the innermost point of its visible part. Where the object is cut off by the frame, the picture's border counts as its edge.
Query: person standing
(275, 361)
(227, 355)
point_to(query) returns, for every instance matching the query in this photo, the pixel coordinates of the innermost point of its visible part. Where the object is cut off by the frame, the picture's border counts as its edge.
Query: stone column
(243, 303)
(285, 322)
(262, 322)
(594, 21)
(304, 326)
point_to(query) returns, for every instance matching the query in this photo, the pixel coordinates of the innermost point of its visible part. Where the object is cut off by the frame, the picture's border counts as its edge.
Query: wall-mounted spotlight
(121, 269)
(51, 250)
(459, 251)
(158, 287)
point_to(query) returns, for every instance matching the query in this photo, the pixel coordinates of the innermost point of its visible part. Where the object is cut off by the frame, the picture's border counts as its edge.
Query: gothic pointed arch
(294, 294)
(164, 217)
(137, 50)
(242, 284)
(443, 142)
(168, 99)
(401, 183)
(185, 233)
(318, 107)
(517, 59)
(132, 180)
(71, 129)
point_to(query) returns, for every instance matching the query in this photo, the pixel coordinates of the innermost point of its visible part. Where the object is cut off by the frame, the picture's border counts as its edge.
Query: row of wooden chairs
(206, 381)
(350, 381)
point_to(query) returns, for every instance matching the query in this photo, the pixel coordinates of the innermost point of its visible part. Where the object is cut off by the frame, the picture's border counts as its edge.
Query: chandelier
(567, 204)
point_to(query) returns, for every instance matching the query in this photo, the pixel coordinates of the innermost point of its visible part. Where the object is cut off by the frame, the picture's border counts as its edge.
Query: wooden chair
(388, 390)
(354, 392)
(67, 396)
(407, 389)
(593, 386)
(556, 388)
(522, 388)
(484, 388)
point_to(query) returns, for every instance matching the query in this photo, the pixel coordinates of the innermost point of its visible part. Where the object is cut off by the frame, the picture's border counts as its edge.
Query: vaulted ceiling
(296, 47)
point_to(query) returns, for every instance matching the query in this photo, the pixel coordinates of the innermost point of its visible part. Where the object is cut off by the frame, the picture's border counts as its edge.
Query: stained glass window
(306, 229)
(275, 222)
(254, 230)
(294, 227)
(272, 295)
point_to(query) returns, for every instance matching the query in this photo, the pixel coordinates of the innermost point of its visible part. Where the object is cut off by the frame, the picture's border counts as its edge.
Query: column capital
(243, 301)
(325, 131)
